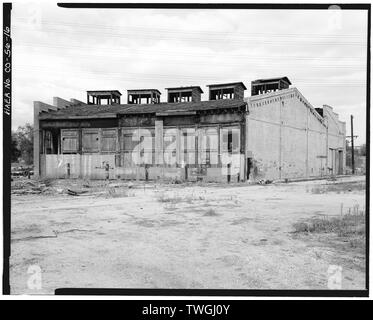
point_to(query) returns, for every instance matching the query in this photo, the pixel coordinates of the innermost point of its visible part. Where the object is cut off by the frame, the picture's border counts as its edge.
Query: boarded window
(90, 140)
(230, 140)
(147, 146)
(209, 146)
(69, 141)
(118, 160)
(109, 140)
(138, 146)
(188, 146)
(129, 140)
(170, 145)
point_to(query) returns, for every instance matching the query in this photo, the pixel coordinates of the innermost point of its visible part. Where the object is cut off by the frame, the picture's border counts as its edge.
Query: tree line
(22, 144)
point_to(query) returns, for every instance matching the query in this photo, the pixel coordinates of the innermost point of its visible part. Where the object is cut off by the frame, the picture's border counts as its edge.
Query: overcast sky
(65, 52)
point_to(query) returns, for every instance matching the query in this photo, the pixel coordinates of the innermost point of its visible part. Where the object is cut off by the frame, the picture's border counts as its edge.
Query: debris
(34, 237)
(20, 192)
(48, 190)
(75, 193)
(31, 187)
(22, 171)
(71, 192)
(114, 185)
(45, 186)
(56, 232)
(265, 181)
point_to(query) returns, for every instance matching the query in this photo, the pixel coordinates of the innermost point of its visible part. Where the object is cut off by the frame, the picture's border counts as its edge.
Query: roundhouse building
(275, 134)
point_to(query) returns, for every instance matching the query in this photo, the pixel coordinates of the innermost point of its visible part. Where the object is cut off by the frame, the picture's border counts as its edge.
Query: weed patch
(343, 187)
(349, 227)
(117, 193)
(210, 213)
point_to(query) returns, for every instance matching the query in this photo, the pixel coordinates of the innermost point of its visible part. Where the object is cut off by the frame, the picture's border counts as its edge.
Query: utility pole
(352, 137)
(352, 145)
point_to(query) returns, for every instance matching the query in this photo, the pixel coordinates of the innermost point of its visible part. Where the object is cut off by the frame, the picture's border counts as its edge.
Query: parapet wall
(287, 138)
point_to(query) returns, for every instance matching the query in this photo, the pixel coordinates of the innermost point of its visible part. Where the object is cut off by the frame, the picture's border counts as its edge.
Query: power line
(155, 76)
(226, 39)
(228, 57)
(99, 27)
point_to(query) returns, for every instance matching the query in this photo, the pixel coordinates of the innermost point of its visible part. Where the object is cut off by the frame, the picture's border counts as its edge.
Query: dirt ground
(137, 235)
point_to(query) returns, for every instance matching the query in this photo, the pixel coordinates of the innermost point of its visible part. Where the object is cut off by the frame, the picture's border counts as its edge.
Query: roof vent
(261, 86)
(99, 97)
(184, 94)
(141, 96)
(233, 90)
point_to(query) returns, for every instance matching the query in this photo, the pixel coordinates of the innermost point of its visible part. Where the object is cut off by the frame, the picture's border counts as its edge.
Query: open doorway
(249, 165)
(340, 161)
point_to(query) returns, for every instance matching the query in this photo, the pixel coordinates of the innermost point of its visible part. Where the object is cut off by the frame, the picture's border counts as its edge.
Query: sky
(65, 52)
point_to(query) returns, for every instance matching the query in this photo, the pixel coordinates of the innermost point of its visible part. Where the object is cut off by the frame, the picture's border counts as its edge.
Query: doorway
(340, 162)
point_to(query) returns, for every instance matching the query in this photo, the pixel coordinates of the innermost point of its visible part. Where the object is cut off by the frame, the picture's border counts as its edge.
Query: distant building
(275, 134)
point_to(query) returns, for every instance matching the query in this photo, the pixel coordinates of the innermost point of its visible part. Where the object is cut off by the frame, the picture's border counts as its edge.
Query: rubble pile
(30, 187)
(24, 187)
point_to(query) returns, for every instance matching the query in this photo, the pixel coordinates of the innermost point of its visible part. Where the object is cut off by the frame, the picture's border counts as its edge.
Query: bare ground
(138, 235)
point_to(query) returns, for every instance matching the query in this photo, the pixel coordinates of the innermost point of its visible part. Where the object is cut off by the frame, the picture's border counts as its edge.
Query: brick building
(275, 134)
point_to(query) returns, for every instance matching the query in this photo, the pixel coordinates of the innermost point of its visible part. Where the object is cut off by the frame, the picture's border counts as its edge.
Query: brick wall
(287, 138)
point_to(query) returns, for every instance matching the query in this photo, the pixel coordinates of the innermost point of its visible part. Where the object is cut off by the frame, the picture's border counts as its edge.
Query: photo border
(7, 105)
